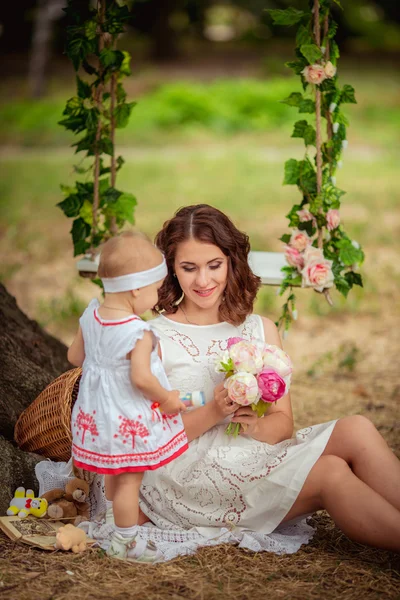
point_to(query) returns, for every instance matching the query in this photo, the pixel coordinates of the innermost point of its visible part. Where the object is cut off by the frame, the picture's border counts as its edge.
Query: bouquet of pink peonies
(256, 374)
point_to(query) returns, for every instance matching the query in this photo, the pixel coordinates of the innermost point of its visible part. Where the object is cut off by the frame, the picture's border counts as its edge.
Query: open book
(40, 533)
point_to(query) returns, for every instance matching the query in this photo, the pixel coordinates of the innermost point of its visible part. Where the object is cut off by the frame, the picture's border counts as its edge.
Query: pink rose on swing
(293, 257)
(299, 240)
(332, 219)
(318, 275)
(314, 74)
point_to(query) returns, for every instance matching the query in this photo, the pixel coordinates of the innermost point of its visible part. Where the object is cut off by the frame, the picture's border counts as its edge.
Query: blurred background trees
(32, 32)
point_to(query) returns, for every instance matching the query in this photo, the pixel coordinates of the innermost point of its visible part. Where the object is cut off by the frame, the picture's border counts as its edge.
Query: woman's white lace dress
(222, 489)
(222, 481)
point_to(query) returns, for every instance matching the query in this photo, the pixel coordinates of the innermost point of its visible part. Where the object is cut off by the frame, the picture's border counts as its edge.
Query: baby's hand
(173, 404)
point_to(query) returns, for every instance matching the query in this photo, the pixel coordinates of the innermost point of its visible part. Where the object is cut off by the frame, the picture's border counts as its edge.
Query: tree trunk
(30, 360)
(47, 12)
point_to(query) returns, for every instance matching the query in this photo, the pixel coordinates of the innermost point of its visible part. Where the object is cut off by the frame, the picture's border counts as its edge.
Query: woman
(264, 477)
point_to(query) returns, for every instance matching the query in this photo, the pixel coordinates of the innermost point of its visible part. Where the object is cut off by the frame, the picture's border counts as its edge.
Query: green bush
(224, 106)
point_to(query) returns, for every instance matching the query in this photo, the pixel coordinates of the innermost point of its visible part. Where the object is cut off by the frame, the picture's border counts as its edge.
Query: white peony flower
(332, 107)
(335, 127)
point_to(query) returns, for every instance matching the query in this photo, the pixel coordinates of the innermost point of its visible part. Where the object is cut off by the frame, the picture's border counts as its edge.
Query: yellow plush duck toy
(24, 503)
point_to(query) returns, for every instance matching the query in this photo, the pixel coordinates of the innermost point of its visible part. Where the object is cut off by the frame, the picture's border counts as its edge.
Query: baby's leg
(109, 486)
(126, 499)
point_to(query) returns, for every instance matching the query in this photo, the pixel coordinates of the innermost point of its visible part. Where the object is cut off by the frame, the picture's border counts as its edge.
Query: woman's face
(202, 271)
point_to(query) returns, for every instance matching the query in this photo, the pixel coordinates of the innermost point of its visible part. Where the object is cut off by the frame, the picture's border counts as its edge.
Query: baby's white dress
(223, 481)
(115, 428)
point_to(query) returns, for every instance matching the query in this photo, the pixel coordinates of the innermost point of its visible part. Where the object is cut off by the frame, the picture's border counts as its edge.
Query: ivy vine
(98, 209)
(319, 253)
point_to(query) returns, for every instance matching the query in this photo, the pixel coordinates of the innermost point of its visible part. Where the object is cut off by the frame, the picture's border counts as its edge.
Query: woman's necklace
(184, 314)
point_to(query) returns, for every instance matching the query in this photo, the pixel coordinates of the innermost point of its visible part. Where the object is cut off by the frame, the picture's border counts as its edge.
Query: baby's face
(147, 297)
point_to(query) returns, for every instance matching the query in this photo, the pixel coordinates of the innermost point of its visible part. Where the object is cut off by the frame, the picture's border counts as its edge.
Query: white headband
(134, 281)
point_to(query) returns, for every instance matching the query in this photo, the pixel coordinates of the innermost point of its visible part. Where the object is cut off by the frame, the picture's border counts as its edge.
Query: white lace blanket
(286, 539)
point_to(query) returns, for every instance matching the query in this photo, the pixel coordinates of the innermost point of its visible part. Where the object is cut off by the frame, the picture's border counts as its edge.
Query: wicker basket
(45, 426)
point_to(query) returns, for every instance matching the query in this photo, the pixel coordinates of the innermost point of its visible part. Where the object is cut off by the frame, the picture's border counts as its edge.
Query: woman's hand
(247, 418)
(223, 405)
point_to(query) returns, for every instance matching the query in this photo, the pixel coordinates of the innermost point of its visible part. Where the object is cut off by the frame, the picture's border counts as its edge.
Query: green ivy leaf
(285, 238)
(294, 99)
(353, 278)
(71, 205)
(111, 195)
(342, 286)
(303, 130)
(307, 177)
(123, 208)
(303, 36)
(122, 114)
(111, 58)
(121, 94)
(91, 29)
(311, 52)
(75, 124)
(334, 53)
(299, 128)
(293, 216)
(307, 106)
(86, 212)
(126, 64)
(80, 231)
(332, 29)
(292, 172)
(84, 89)
(347, 95)
(77, 50)
(297, 65)
(348, 254)
(290, 16)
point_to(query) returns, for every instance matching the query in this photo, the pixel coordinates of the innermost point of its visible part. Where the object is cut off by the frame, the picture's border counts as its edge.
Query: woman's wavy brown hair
(208, 224)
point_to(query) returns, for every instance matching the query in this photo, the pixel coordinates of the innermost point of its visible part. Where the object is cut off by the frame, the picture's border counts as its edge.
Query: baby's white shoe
(133, 549)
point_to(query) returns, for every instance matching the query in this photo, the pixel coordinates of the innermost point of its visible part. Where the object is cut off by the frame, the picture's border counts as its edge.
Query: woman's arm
(76, 351)
(200, 420)
(277, 424)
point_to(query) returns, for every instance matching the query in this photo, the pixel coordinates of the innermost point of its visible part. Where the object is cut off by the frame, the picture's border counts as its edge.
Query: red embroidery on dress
(130, 428)
(186, 342)
(86, 422)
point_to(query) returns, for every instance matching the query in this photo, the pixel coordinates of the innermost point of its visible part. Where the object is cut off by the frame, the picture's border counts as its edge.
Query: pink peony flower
(277, 359)
(299, 240)
(246, 357)
(294, 257)
(332, 219)
(272, 386)
(314, 74)
(233, 340)
(318, 274)
(242, 388)
(305, 215)
(330, 69)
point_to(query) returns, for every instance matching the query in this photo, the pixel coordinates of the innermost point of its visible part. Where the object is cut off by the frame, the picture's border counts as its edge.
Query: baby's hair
(128, 252)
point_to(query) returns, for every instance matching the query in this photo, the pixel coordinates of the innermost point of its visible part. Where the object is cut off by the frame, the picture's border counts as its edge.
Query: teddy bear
(72, 538)
(69, 504)
(24, 503)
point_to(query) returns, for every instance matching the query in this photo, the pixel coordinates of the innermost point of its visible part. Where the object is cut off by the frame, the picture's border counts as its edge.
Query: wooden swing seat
(266, 265)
